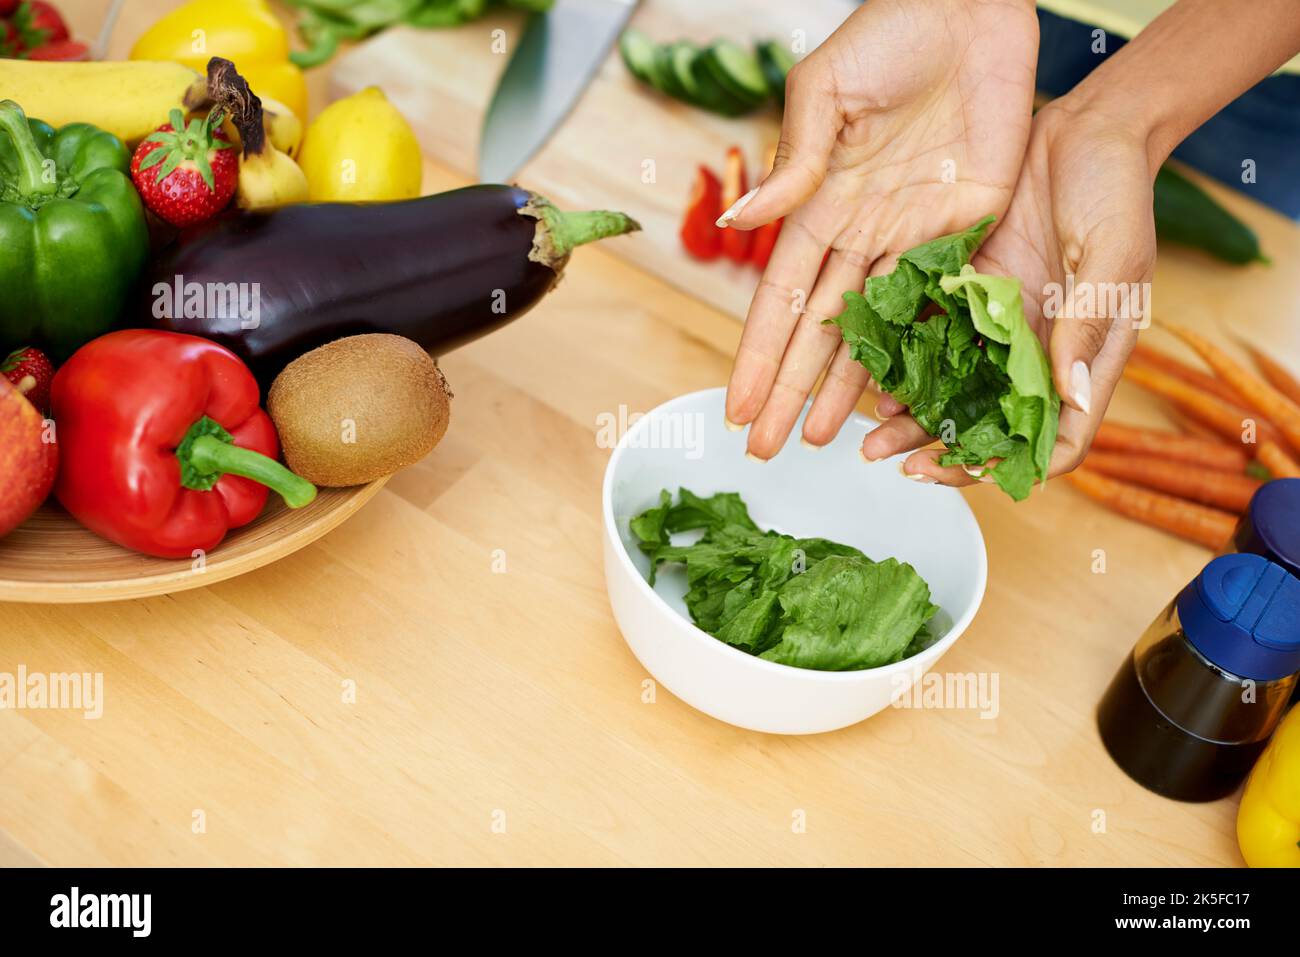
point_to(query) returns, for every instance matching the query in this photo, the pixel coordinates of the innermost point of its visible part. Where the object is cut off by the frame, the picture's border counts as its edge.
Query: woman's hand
(1080, 235)
(909, 122)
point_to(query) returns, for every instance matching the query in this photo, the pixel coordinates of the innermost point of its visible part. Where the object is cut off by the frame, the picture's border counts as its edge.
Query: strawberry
(9, 45)
(65, 50)
(38, 23)
(30, 372)
(7, 7)
(197, 169)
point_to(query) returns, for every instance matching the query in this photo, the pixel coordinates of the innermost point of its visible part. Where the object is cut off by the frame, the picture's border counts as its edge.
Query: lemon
(361, 149)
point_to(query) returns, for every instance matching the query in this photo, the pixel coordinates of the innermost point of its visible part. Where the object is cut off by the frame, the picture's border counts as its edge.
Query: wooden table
(393, 695)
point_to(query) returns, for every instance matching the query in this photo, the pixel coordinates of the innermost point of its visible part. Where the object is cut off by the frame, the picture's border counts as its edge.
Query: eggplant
(440, 270)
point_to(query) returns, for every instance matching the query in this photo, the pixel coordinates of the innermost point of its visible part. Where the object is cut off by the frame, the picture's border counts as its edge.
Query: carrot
(1180, 370)
(1207, 453)
(1277, 460)
(1189, 426)
(1198, 523)
(1228, 421)
(1278, 375)
(1207, 486)
(1280, 410)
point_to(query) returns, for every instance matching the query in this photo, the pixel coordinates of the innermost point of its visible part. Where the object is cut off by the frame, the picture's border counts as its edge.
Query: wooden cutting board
(623, 147)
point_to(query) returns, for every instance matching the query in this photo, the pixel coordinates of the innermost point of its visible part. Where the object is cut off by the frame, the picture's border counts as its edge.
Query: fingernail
(863, 455)
(916, 476)
(734, 210)
(974, 471)
(732, 426)
(877, 414)
(808, 445)
(1081, 385)
(752, 457)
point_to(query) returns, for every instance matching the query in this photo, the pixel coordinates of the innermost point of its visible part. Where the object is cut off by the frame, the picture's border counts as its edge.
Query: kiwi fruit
(358, 409)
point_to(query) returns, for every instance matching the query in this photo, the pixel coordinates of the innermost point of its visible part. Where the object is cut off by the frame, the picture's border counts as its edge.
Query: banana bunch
(128, 99)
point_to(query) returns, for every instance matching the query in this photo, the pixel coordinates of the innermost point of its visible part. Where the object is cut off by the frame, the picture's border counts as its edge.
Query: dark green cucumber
(1187, 214)
(776, 61)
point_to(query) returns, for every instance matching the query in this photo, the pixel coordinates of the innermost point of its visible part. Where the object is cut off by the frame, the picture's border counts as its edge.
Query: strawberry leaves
(182, 143)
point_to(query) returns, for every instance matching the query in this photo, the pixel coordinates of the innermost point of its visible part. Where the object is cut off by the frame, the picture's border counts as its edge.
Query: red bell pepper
(736, 243)
(765, 236)
(163, 444)
(701, 237)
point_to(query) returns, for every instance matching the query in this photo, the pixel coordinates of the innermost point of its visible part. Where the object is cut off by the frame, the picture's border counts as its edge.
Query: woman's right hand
(909, 122)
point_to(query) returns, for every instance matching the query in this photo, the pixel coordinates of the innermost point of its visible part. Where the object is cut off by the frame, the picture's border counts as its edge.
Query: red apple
(28, 458)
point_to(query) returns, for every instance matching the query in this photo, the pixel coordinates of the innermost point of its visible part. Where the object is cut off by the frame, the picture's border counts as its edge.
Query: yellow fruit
(244, 31)
(129, 99)
(361, 149)
(269, 180)
(235, 29)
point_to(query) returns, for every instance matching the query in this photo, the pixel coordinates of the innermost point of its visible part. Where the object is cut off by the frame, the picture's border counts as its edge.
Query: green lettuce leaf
(807, 602)
(975, 375)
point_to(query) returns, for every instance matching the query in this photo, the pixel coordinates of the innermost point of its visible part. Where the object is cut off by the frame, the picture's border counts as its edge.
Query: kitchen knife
(556, 58)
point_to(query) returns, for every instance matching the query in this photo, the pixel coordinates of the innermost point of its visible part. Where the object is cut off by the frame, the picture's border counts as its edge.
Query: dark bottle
(1192, 708)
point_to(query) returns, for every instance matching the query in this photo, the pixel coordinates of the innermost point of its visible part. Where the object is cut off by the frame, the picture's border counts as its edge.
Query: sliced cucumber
(664, 76)
(684, 54)
(638, 52)
(737, 69)
(776, 61)
(712, 95)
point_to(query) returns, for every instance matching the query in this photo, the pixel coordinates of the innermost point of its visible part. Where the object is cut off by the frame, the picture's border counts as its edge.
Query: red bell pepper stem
(32, 178)
(208, 452)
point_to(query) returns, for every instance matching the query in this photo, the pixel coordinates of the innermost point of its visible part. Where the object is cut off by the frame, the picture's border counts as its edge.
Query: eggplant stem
(559, 232)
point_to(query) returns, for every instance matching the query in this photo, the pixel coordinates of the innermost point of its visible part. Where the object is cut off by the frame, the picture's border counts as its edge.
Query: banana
(283, 127)
(129, 99)
(268, 180)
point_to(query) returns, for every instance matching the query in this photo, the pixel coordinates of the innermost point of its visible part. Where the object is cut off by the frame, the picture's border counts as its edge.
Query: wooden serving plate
(52, 559)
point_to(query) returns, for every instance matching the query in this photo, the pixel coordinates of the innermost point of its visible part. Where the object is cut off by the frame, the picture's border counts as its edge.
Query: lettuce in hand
(806, 602)
(975, 374)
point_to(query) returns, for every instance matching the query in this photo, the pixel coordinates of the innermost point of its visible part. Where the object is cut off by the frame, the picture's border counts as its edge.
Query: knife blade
(559, 53)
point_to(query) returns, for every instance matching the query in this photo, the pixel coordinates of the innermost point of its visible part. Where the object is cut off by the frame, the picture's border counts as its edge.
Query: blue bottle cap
(1271, 526)
(1242, 612)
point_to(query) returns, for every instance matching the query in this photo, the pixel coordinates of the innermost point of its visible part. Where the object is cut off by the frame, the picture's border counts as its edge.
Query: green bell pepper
(72, 229)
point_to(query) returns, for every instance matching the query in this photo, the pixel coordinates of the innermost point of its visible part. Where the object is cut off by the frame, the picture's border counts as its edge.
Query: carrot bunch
(1239, 424)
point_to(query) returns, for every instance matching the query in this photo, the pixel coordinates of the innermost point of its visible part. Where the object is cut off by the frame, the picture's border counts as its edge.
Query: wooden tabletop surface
(440, 680)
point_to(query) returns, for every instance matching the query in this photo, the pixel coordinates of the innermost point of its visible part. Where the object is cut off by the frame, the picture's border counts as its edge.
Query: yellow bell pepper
(1268, 820)
(244, 31)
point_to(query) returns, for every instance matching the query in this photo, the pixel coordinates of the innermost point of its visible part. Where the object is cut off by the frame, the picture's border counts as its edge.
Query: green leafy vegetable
(323, 23)
(975, 374)
(806, 602)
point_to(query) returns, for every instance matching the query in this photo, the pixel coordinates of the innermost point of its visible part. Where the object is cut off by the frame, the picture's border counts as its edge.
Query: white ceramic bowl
(806, 492)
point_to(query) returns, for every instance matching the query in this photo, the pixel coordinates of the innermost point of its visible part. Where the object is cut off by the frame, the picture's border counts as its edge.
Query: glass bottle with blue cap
(1195, 704)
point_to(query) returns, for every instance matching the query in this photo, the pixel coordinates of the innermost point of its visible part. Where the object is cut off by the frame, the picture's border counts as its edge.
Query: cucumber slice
(776, 61)
(638, 52)
(683, 59)
(712, 95)
(664, 73)
(737, 69)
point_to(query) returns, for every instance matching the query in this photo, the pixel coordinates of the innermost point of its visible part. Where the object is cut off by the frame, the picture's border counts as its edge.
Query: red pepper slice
(736, 243)
(765, 236)
(764, 242)
(701, 237)
(164, 445)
